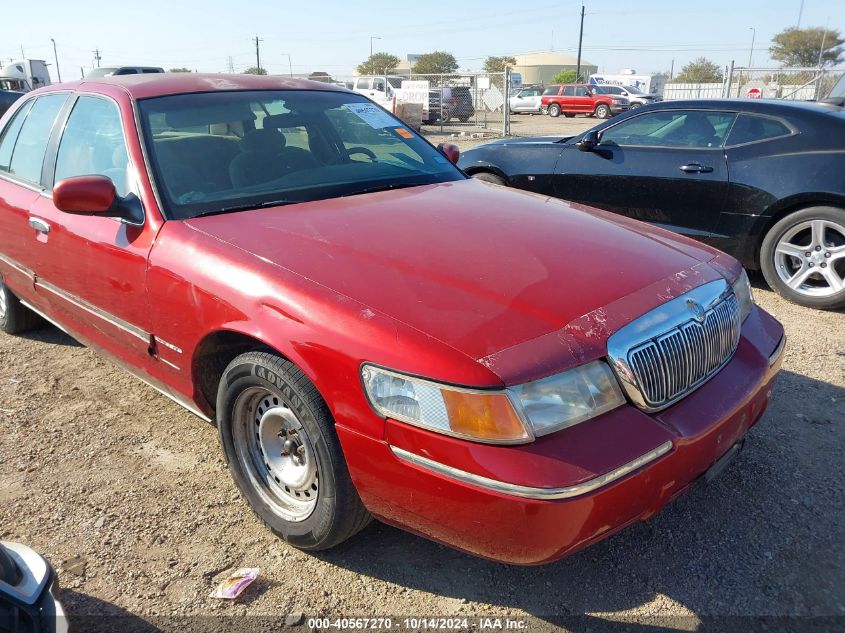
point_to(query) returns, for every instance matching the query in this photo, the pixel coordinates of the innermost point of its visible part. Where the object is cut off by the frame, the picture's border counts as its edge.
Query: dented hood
(479, 267)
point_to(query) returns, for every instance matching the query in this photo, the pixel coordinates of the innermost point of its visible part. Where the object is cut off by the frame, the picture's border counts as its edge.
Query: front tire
(15, 318)
(284, 455)
(602, 111)
(803, 257)
(554, 110)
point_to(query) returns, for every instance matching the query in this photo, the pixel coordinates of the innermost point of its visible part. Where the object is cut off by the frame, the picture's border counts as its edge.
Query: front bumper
(539, 502)
(617, 108)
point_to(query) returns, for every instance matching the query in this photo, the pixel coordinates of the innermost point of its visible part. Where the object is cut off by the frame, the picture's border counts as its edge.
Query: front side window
(569, 91)
(93, 144)
(27, 157)
(749, 128)
(229, 151)
(671, 128)
(580, 91)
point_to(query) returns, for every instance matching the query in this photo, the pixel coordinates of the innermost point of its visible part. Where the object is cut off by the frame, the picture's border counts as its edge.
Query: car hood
(523, 140)
(478, 267)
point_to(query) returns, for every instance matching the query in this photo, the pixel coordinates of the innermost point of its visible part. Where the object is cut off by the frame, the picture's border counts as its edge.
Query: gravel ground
(128, 496)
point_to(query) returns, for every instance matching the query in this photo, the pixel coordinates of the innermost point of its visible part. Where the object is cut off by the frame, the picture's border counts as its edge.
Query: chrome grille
(670, 351)
(676, 362)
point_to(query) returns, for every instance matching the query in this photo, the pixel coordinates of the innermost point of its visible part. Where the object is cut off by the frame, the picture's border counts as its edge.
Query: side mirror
(96, 195)
(450, 151)
(85, 195)
(588, 142)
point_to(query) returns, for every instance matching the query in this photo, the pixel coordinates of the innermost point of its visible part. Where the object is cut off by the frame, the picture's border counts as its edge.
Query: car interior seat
(260, 159)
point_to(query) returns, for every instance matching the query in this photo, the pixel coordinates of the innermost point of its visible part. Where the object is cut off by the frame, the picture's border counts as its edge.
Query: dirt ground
(127, 494)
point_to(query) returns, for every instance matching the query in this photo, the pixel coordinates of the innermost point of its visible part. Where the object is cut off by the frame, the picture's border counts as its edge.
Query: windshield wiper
(245, 207)
(387, 187)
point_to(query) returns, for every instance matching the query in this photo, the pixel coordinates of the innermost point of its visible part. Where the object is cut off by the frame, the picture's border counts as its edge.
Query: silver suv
(636, 97)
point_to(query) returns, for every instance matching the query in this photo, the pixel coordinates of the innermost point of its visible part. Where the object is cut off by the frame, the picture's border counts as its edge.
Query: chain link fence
(800, 84)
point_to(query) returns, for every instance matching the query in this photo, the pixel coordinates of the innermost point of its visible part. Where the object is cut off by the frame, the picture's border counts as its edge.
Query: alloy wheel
(810, 258)
(276, 454)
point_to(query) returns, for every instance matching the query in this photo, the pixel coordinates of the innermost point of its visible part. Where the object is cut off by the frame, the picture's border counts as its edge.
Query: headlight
(566, 399)
(509, 416)
(742, 290)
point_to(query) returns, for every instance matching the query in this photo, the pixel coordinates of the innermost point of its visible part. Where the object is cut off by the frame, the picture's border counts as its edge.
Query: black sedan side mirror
(588, 142)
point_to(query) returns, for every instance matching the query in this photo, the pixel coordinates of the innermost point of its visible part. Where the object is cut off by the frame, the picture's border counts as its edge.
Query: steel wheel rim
(810, 258)
(275, 453)
(3, 306)
(602, 112)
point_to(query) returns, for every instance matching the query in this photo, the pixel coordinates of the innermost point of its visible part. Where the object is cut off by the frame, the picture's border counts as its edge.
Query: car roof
(762, 106)
(147, 85)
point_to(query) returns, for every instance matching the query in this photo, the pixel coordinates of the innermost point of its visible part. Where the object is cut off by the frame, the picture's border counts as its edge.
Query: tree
(497, 64)
(254, 70)
(378, 64)
(565, 77)
(801, 47)
(436, 63)
(699, 71)
(179, 70)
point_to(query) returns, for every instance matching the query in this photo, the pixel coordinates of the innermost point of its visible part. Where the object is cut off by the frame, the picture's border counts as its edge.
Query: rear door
(582, 101)
(23, 144)
(666, 167)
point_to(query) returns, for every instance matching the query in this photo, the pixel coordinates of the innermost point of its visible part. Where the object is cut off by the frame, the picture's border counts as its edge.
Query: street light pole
(373, 37)
(56, 56)
(751, 53)
(580, 39)
(290, 68)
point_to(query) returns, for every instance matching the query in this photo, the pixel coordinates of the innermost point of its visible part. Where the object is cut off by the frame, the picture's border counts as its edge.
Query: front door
(666, 167)
(92, 269)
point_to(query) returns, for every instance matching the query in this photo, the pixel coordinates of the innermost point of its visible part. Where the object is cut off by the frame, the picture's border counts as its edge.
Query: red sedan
(373, 333)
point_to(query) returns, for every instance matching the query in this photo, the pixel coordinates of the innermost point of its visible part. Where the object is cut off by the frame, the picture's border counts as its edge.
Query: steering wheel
(362, 150)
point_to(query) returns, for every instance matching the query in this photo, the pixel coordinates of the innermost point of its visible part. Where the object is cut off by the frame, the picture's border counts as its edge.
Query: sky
(334, 36)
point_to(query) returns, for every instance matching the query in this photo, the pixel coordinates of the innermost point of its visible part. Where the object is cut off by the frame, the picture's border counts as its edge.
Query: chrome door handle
(39, 225)
(696, 168)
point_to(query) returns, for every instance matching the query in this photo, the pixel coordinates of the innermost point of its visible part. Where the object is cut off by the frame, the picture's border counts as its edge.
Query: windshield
(229, 151)
(634, 90)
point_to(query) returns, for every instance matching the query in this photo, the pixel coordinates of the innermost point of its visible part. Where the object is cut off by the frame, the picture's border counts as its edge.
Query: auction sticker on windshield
(371, 114)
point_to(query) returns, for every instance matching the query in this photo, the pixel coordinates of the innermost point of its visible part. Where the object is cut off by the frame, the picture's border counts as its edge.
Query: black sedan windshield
(225, 151)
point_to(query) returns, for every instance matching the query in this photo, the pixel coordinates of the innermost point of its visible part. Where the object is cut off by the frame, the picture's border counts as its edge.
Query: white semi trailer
(24, 75)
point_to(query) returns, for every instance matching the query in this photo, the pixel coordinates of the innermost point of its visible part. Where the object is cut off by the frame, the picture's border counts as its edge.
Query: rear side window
(10, 135)
(749, 128)
(551, 90)
(569, 91)
(28, 153)
(671, 128)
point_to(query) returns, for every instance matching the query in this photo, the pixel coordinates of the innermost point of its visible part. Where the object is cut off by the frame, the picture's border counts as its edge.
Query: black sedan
(761, 180)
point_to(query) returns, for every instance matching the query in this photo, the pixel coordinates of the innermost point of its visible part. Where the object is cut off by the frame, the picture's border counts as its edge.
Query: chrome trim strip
(527, 492)
(169, 346)
(18, 267)
(773, 357)
(92, 309)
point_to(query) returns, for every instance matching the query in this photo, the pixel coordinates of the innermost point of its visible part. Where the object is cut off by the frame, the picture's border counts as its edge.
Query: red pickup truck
(572, 99)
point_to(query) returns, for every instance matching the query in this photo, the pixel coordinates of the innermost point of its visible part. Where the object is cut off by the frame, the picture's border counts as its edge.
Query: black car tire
(463, 119)
(487, 176)
(554, 110)
(768, 253)
(337, 513)
(15, 318)
(634, 106)
(602, 111)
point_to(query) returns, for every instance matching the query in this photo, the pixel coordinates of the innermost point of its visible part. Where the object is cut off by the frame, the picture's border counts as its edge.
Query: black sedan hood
(536, 140)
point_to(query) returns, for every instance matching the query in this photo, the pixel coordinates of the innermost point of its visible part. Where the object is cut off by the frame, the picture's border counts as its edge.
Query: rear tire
(15, 318)
(284, 454)
(487, 176)
(803, 257)
(554, 110)
(602, 111)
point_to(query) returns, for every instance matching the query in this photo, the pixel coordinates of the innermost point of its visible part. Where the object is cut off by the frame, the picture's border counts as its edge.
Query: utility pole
(751, 53)
(373, 37)
(231, 65)
(257, 54)
(672, 70)
(290, 67)
(800, 11)
(97, 57)
(56, 56)
(580, 39)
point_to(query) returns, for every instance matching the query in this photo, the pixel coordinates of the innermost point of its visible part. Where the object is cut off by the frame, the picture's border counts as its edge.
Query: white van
(379, 88)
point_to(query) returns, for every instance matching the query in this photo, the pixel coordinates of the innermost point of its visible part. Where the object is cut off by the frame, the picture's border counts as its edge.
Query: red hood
(476, 266)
